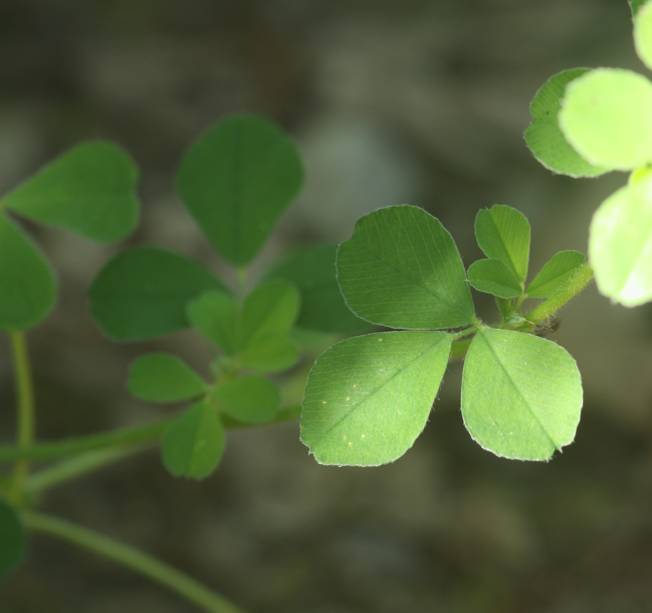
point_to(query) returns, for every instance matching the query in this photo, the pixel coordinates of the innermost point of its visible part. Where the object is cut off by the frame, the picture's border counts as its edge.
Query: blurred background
(418, 101)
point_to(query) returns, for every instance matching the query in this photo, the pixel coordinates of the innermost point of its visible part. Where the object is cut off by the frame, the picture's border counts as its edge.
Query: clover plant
(397, 290)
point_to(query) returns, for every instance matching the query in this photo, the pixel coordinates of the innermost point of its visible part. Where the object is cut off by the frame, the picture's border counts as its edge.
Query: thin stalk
(120, 438)
(75, 467)
(24, 404)
(131, 558)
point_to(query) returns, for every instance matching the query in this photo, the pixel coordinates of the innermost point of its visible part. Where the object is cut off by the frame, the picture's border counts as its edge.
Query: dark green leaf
(401, 268)
(12, 540)
(90, 190)
(142, 293)
(249, 400)
(193, 444)
(368, 398)
(236, 180)
(161, 377)
(312, 270)
(27, 283)
(493, 277)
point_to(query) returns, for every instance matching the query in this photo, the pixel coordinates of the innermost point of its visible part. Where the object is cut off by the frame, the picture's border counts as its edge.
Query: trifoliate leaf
(236, 180)
(620, 244)
(249, 400)
(503, 234)
(12, 540)
(493, 277)
(193, 443)
(312, 271)
(401, 269)
(142, 293)
(161, 377)
(607, 117)
(27, 283)
(544, 137)
(368, 398)
(90, 190)
(521, 394)
(556, 274)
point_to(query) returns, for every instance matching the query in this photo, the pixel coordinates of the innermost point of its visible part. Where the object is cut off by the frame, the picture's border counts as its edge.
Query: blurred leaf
(636, 5)
(27, 283)
(607, 117)
(90, 190)
(236, 180)
(401, 269)
(12, 540)
(249, 400)
(620, 244)
(556, 273)
(312, 270)
(503, 234)
(521, 394)
(193, 444)
(269, 354)
(643, 34)
(161, 377)
(216, 315)
(493, 277)
(544, 137)
(142, 293)
(368, 398)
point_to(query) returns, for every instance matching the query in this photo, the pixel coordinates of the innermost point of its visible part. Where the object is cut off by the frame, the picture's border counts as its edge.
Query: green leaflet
(312, 271)
(493, 277)
(236, 180)
(401, 269)
(368, 398)
(620, 244)
(643, 34)
(215, 315)
(249, 400)
(12, 540)
(607, 117)
(161, 377)
(142, 293)
(503, 234)
(27, 283)
(90, 190)
(521, 394)
(194, 443)
(544, 137)
(556, 273)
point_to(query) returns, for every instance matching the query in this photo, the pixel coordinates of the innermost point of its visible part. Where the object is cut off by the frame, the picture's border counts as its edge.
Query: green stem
(24, 403)
(575, 285)
(131, 558)
(78, 466)
(123, 437)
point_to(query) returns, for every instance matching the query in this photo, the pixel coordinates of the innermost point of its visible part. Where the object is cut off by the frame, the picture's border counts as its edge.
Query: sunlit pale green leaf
(12, 540)
(216, 315)
(236, 180)
(544, 136)
(607, 117)
(493, 277)
(193, 444)
(503, 234)
(250, 400)
(521, 394)
(401, 269)
(161, 377)
(556, 274)
(142, 293)
(312, 270)
(27, 283)
(90, 190)
(643, 34)
(368, 398)
(620, 244)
